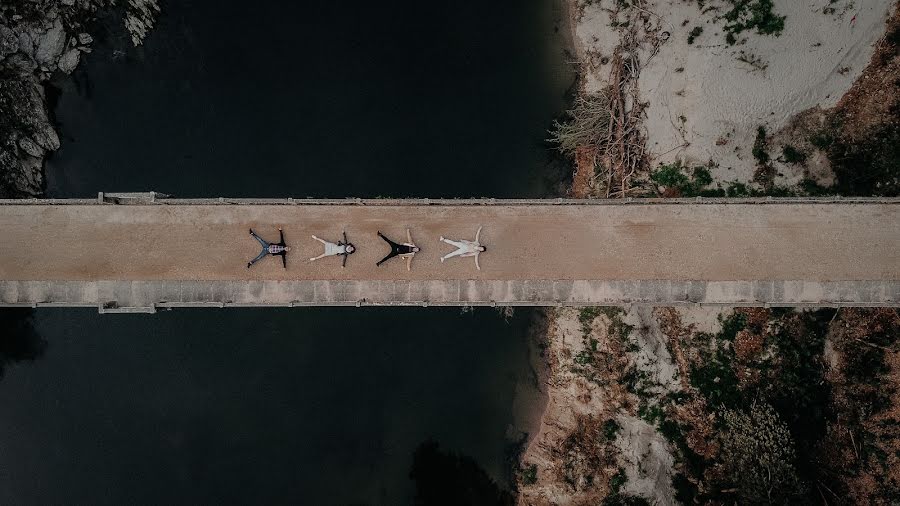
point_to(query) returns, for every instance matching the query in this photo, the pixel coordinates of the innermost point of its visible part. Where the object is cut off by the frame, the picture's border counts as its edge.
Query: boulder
(69, 60)
(26, 44)
(51, 45)
(30, 147)
(46, 138)
(85, 38)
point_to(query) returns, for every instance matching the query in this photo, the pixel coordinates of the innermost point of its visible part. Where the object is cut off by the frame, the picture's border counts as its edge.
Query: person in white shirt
(342, 248)
(465, 248)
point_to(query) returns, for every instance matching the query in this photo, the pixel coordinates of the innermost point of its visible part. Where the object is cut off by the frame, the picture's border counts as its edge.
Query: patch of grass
(529, 474)
(760, 146)
(756, 15)
(790, 154)
(584, 357)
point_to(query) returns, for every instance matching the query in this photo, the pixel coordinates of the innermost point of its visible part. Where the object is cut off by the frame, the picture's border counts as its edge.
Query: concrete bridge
(140, 252)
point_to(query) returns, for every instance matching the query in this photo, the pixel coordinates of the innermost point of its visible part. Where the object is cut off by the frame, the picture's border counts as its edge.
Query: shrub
(758, 456)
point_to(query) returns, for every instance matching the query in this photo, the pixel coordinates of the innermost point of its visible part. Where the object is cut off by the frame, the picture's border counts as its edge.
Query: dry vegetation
(603, 133)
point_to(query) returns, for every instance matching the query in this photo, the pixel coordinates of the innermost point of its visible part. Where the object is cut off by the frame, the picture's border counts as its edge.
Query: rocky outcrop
(38, 38)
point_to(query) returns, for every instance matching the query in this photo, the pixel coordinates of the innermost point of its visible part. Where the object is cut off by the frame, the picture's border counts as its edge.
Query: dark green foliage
(702, 177)
(760, 146)
(822, 139)
(529, 474)
(670, 176)
(611, 429)
(715, 379)
(790, 154)
(674, 176)
(617, 481)
(696, 32)
(753, 15)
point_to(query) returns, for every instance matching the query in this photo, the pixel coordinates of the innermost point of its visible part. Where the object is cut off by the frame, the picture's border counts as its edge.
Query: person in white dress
(341, 248)
(465, 248)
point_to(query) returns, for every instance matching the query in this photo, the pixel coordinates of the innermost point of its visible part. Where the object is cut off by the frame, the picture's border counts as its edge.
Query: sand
(705, 105)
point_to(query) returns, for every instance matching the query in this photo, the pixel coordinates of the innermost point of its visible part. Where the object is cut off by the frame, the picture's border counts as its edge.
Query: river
(310, 406)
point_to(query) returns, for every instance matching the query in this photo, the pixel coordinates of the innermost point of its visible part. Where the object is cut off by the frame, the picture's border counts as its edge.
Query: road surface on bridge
(819, 244)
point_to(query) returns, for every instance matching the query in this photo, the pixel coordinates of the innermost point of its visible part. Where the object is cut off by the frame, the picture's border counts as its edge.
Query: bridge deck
(177, 253)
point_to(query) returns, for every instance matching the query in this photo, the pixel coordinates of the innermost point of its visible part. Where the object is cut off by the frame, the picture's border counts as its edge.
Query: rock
(85, 38)
(47, 138)
(51, 44)
(9, 41)
(30, 147)
(69, 60)
(26, 44)
(68, 3)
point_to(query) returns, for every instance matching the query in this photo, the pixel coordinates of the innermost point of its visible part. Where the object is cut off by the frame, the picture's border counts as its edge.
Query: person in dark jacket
(276, 249)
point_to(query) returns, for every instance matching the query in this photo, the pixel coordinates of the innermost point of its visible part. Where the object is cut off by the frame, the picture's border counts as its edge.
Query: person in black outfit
(277, 249)
(406, 250)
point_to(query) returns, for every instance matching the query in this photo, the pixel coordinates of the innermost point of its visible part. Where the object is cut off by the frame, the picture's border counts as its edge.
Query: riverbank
(715, 105)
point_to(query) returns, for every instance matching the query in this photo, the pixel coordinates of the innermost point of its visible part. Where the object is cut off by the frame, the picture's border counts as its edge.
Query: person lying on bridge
(277, 249)
(465, 248)
(406, 250)
(342, 248)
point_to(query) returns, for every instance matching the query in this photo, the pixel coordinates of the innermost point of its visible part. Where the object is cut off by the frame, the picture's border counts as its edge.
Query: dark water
(309, 406)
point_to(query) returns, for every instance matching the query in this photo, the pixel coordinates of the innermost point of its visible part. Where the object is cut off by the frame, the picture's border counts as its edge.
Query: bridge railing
(153, 198)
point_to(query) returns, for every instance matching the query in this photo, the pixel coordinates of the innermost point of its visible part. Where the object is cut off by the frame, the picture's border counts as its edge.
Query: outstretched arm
(283, 260)
(281, 233)
(476, 262)
(477, 234)
(408, 236)
(408, 262)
